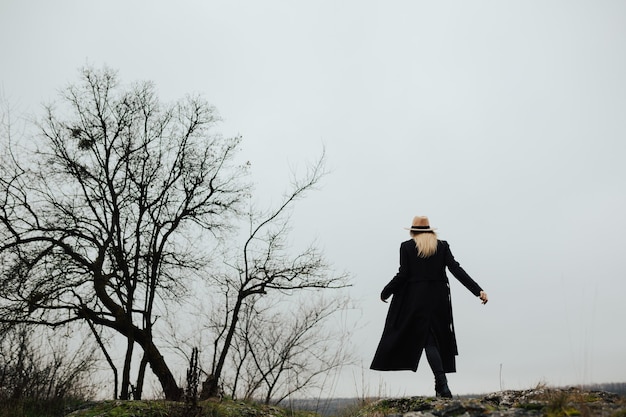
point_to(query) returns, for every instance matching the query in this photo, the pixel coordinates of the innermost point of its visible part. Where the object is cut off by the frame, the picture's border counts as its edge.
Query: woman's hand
(483, 297)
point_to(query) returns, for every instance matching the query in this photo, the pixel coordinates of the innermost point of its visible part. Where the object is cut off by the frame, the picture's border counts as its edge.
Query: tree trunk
(141, 377)
(161, 370)
(151, 353)
(107, 356)
(210, 387)
(124, 393)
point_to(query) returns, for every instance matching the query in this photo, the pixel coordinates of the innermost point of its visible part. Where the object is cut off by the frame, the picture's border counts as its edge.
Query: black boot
(441, 386)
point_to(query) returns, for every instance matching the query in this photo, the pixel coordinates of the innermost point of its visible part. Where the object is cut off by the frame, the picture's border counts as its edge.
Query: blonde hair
(425, 242)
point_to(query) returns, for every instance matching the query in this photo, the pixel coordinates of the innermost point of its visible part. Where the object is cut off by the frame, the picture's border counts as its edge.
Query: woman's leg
(436, 365)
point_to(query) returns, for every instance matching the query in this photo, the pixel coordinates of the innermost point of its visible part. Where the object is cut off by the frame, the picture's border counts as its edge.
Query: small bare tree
(35, 366)
(265, 267)
(292, 347)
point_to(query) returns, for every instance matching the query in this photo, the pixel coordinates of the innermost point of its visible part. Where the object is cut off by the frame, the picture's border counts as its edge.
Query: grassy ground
(540, 401)
(173, 409)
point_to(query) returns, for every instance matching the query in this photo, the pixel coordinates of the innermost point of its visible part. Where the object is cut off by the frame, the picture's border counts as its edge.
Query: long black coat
(421, 301)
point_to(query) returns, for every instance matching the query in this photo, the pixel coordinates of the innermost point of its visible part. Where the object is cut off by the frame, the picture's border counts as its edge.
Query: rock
(539, 401)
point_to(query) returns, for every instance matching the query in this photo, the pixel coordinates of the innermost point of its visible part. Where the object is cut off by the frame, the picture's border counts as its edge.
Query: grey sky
(503, 121)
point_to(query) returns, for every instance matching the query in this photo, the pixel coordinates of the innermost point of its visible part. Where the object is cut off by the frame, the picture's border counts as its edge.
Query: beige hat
(420, 224)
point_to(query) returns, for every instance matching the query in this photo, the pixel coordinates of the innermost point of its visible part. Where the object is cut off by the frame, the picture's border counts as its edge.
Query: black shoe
(443, 392)
(441, 387)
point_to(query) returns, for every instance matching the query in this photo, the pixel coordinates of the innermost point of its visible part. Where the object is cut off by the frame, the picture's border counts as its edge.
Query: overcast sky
(503, 121)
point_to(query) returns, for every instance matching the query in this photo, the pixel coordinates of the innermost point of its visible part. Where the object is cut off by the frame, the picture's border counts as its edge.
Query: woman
(420, 314)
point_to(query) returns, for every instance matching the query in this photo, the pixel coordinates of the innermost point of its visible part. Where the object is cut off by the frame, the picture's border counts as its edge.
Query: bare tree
(292, 347)
(35, 366)
(105, 221)
(266, 266)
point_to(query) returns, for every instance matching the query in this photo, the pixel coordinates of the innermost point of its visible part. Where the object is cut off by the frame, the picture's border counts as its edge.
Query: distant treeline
(618, 388)
(614, 387)
(324, 406)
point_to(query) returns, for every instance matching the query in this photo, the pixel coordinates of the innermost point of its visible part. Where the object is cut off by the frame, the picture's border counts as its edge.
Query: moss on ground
(209, 408)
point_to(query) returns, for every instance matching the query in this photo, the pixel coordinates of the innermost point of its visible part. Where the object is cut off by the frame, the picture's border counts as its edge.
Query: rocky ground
(540, 401)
